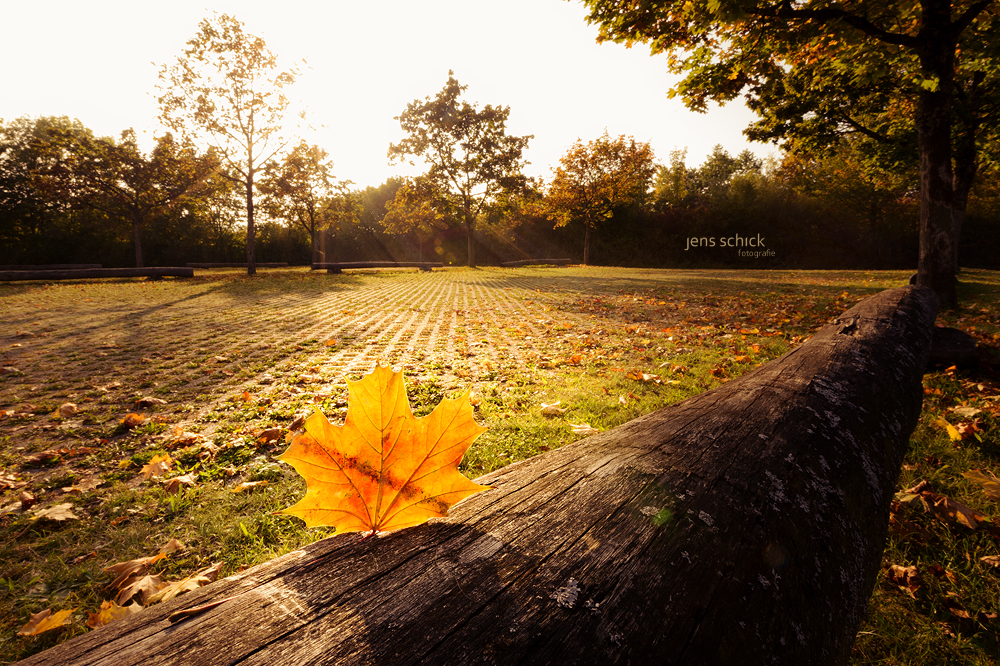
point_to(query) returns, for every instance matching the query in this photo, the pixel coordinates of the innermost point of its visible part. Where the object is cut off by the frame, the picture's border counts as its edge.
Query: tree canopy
(227, 89)
(594, 179)
(728, 49)
(470, 157)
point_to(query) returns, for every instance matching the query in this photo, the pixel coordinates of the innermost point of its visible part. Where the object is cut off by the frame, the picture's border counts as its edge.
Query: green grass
(607, 345)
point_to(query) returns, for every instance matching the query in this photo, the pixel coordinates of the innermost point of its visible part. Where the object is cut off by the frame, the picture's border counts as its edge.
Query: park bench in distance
(539, 262)
(744, 525)
(338, 266)
(270, 264)
(83, 273)
(46, 267)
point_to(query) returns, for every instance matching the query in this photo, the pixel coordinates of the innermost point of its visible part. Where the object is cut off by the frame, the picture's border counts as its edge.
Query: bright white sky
(94, 60)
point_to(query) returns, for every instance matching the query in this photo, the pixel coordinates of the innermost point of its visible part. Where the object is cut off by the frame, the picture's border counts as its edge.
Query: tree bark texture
(742, 526)
(936, 263)
(251, 230)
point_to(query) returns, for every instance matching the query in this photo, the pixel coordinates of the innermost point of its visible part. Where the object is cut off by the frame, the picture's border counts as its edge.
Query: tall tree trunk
(936, 266)
(470, 230)
(251, 231)
(586, 244)
(137, 239)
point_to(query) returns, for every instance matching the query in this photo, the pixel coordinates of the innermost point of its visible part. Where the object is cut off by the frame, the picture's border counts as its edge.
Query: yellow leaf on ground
(158, 466)
(109, 612)
(45, 620)
(951, 430)
(133, 420)
(383, 469)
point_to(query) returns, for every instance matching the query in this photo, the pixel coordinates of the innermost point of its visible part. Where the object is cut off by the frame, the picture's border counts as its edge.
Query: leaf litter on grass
(530, 344)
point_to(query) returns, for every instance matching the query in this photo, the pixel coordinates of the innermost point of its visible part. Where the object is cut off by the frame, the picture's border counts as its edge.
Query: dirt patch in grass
(213, 371)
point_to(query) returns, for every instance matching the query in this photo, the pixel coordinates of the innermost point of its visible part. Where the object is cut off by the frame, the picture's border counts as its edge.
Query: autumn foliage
(384, 469)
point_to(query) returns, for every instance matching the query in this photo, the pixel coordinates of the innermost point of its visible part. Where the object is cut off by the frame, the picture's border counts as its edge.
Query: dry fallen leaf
(192, 582)
(949, 510)
(66, 410)
(148, 401)
(109, 612)
(249, 485)
(553, 409)
(583, 429)
(270, 435)
(84, 485)
(159, 465)
(127, 570)
(132, 420)
(174, 485)
(45, 620)
(383, 469)
(145, 587)
(906, 578)
(989, 482)
(59, 512)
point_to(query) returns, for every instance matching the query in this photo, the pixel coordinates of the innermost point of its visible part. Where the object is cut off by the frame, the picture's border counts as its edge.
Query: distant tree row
(230, 179)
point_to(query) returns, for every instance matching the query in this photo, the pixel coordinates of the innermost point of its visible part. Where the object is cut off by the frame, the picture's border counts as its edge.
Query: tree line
(229, 178)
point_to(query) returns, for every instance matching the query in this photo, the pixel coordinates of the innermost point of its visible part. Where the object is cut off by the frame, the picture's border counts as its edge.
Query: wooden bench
(46, 267)
(744, 525)
(83, 273)
(271, 264)
(337, 267)
(537, 262)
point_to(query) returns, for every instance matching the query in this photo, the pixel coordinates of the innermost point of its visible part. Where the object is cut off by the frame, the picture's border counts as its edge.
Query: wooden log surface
(83, 273)
(532, 262)
(744, 525)
(46, 267)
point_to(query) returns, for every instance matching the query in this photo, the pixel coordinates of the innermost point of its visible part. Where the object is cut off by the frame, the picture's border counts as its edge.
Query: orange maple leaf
(384, 469)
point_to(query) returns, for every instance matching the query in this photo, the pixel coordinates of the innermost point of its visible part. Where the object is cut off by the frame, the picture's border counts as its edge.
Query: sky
(98, 61)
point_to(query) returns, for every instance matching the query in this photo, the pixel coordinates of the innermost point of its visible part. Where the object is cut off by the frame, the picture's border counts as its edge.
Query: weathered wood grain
(744, 525)
(83, 273)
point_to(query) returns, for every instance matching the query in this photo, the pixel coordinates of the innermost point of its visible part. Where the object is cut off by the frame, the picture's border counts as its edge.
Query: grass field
(213, 371)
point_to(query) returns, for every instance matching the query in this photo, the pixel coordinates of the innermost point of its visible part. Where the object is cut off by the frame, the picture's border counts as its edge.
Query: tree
(729, 48)
(36, 185)
(116, 178)
(299, 191)
(416, 210)
(594, 179)
(469, 155)
(227, 89)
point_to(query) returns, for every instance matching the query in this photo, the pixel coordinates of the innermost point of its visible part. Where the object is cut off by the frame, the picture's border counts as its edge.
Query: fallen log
(84, 273)
(338, 266)
(267, 264)
(45, 267)
(742, 526)
(538, 262)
